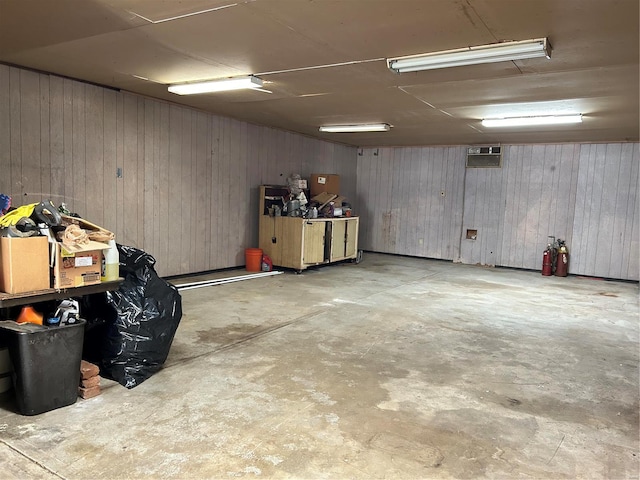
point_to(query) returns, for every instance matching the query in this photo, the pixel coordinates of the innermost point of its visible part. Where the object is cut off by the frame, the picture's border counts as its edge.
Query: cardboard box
(338, 200)
(321, 182)
(94, 231)
(24, 264)
(77, 267)
(323, 199)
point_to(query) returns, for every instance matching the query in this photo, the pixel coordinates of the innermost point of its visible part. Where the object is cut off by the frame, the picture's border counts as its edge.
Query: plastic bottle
(110, 263)
(267, 264)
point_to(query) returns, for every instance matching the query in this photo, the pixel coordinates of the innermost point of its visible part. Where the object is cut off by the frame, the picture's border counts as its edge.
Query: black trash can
(46, 364)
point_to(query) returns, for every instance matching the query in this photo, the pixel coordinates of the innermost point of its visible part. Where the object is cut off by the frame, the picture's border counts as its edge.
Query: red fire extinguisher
(547, 261)
(562, 262)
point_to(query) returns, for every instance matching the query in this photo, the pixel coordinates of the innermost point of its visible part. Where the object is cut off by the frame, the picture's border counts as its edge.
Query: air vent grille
(484, 157)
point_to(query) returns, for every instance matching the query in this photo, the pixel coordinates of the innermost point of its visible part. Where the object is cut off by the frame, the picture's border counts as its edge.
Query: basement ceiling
(324, 62)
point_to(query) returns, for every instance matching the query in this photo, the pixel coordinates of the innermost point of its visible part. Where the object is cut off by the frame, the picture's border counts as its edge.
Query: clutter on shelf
(43, 246)
(300, 227)
(47, 252)
(292, 199)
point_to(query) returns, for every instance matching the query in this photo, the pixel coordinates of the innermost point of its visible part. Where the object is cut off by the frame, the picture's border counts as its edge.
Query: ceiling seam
(316, 67)
(484, 24)
(178, 17)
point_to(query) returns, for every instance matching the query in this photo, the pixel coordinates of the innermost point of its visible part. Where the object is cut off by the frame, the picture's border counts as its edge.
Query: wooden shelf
(16, 299)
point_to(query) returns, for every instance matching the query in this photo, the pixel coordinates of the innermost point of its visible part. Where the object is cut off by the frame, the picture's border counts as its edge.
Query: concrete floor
(393, 368)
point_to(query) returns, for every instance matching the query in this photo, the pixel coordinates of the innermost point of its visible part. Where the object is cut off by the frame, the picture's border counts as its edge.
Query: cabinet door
(339, 232)
(290, 241)
(313, 243)
(267, 238)
(351, 242)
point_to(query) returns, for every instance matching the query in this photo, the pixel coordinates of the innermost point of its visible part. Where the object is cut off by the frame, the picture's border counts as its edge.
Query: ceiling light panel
(532, 121)
(221, 85)
(497, 52)
(371, 127)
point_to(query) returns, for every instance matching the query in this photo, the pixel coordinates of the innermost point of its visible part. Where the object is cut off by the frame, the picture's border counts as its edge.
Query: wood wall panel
(188, 193)
(94, 124)
(109, 160)
(149, 173)
(45, 141)
(29, 131)
(5, 130)
(15, 156)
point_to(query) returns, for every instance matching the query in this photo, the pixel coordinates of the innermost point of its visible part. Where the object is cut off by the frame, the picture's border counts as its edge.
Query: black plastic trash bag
(130, 330)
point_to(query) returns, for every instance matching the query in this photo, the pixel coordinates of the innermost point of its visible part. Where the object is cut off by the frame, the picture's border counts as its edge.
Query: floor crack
(40, 464)
(556, 450)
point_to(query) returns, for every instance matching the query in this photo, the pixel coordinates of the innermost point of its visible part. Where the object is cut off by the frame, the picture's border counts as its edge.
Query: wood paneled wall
(183, 184)
(586, 194)
(607, 215)
(411, 200)
(178, 183)
(515, 208)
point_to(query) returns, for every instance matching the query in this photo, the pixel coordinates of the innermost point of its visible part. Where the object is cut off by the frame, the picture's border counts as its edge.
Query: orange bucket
(253, 259)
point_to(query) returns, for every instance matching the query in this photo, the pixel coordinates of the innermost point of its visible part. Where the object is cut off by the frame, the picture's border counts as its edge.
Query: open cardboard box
(77, 266)
(94, 231)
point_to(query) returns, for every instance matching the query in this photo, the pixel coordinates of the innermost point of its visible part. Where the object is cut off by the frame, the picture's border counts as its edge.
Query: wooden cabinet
(298, 243)
(344, 238)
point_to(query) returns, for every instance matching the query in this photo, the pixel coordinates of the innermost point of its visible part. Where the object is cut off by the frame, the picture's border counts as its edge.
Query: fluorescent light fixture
(371, 127)
(222, 85)
(495, 52)
(526, 121)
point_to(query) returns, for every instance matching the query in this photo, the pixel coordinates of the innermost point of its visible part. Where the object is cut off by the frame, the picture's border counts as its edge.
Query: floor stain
(227, 334)
(427, 455)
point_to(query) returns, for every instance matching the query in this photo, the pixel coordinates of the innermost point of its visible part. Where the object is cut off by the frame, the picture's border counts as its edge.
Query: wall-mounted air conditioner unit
(484, 157)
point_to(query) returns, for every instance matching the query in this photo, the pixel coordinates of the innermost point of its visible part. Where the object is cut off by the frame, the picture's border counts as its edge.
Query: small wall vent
(484, 157)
